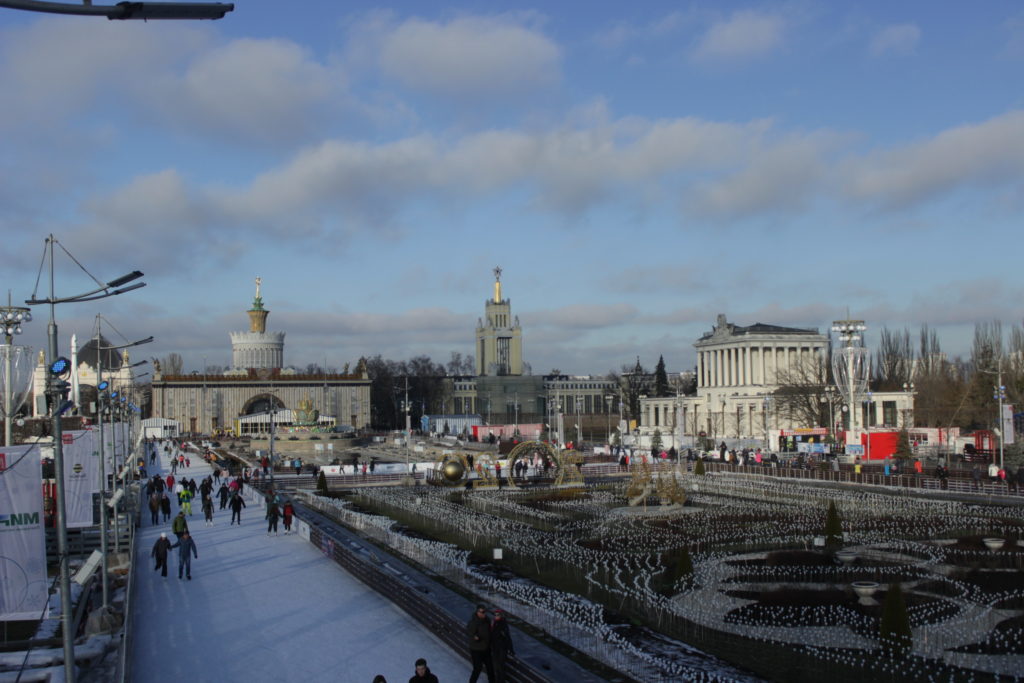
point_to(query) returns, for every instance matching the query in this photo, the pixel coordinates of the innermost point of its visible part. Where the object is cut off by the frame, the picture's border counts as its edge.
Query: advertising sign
(81, 477)
(23, 585)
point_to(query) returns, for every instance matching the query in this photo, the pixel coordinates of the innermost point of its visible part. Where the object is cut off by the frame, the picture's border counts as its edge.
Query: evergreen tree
(699, 467)
(321, 484)
(661, 387)
(903, 451)
(833, 527)
(616, 438)
(679, 566)
(894, 629)
(656, 442)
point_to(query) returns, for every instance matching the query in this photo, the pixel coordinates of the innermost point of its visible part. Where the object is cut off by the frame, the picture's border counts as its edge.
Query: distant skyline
(634, 169)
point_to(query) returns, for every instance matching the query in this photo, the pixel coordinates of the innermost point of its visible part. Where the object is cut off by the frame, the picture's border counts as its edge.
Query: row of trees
(948, 392)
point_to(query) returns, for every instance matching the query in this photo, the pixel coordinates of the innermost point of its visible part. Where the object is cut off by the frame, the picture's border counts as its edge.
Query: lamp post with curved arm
(57, 392)
(17, 376)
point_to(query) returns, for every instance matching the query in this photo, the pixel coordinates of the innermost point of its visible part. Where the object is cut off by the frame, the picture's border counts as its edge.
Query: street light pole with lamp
(101, 387)
(56, 391)
(999, 393)
(15, 387)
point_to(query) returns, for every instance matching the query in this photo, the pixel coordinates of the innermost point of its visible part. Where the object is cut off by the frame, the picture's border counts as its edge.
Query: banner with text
(1008, 424)
(23, 585)
(81, 476)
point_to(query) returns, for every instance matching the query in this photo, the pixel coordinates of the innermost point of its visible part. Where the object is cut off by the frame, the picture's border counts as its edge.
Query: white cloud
(265, 90)
(974, 155)
(743, 35)
(470, 57)
(778, 177)
(896, 39)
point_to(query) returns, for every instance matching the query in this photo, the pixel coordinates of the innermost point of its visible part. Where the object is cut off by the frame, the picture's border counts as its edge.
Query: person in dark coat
(154, 508)
(208, 510)
(159, 551)
(223, 493)
(236, 506)
(479, 631)
(501, 646)
(186, 549)
(423, 674)
(273, 514)
(165, 506)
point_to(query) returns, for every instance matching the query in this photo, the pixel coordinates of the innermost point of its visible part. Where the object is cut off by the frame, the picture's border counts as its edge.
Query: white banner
(23, 585)
(1007, 424)
(81, 476)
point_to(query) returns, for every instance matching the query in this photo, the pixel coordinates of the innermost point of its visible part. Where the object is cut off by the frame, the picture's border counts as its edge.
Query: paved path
(262, 608)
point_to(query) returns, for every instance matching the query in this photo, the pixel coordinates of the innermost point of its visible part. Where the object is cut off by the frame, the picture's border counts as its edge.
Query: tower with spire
(257, 348)
(499, 338)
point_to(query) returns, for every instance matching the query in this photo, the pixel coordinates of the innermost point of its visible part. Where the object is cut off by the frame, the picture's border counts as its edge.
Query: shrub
(699, 467)
(833, 527)
(321, 484)
(894, 629)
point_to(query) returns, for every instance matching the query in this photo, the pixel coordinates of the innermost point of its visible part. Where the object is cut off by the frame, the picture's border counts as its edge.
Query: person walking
(159, 551)
(478, 628)
(165, 506)
(273, 514)
(501, 646)
(423, 674)
(287, 514)
(236, 506)
(186, 550)
(185, 499)
(154, 508)
(208, 510)
(180, 525)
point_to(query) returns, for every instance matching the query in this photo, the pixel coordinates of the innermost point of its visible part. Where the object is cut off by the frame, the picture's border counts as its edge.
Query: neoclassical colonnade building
(738, 368)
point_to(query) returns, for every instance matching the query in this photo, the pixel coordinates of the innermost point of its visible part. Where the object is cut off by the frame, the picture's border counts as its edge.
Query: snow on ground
(262, 608)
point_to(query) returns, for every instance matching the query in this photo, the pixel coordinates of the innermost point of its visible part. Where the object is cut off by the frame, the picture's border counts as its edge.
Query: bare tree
(633, 381)
(894, 360)
(801, 397)
(172, 364)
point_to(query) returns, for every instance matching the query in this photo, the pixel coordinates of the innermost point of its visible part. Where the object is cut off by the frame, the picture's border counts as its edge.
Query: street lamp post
(1000, 395)
(101, 387)
(127, 10)
(850, 367)
(908, 388)
(56, 390)
(15, 388)
(608, 415)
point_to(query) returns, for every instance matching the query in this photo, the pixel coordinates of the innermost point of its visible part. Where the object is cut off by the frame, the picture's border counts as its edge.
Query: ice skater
(159, 551)
(273, 514)
(208, 510)
(186, 549)
(236, 506)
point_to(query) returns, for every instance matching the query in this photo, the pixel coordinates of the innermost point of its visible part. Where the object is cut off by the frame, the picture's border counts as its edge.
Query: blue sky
(634, 168)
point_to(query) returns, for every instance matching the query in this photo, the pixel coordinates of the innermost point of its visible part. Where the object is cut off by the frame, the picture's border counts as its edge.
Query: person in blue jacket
(186, 549)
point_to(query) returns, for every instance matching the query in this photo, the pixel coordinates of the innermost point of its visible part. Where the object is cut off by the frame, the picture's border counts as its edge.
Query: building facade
(739, 371)
(257, 383)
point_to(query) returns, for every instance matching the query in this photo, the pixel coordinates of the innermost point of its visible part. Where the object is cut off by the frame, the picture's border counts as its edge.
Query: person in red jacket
(288, 513)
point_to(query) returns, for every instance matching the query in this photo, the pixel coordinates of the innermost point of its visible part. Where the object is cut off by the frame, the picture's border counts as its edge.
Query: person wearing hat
(160, 549)
(479, 631)
(501, 645)
(423, 674)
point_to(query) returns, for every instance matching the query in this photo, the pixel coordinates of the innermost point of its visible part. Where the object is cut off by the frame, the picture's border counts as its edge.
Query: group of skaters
(1013, 481)
(422, 674)
(490, 646)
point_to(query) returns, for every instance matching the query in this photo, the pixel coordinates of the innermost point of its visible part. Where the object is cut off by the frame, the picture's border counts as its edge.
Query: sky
(634, 168)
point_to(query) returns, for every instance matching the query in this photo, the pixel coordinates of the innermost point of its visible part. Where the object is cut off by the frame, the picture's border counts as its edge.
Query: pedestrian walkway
(262, 608)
